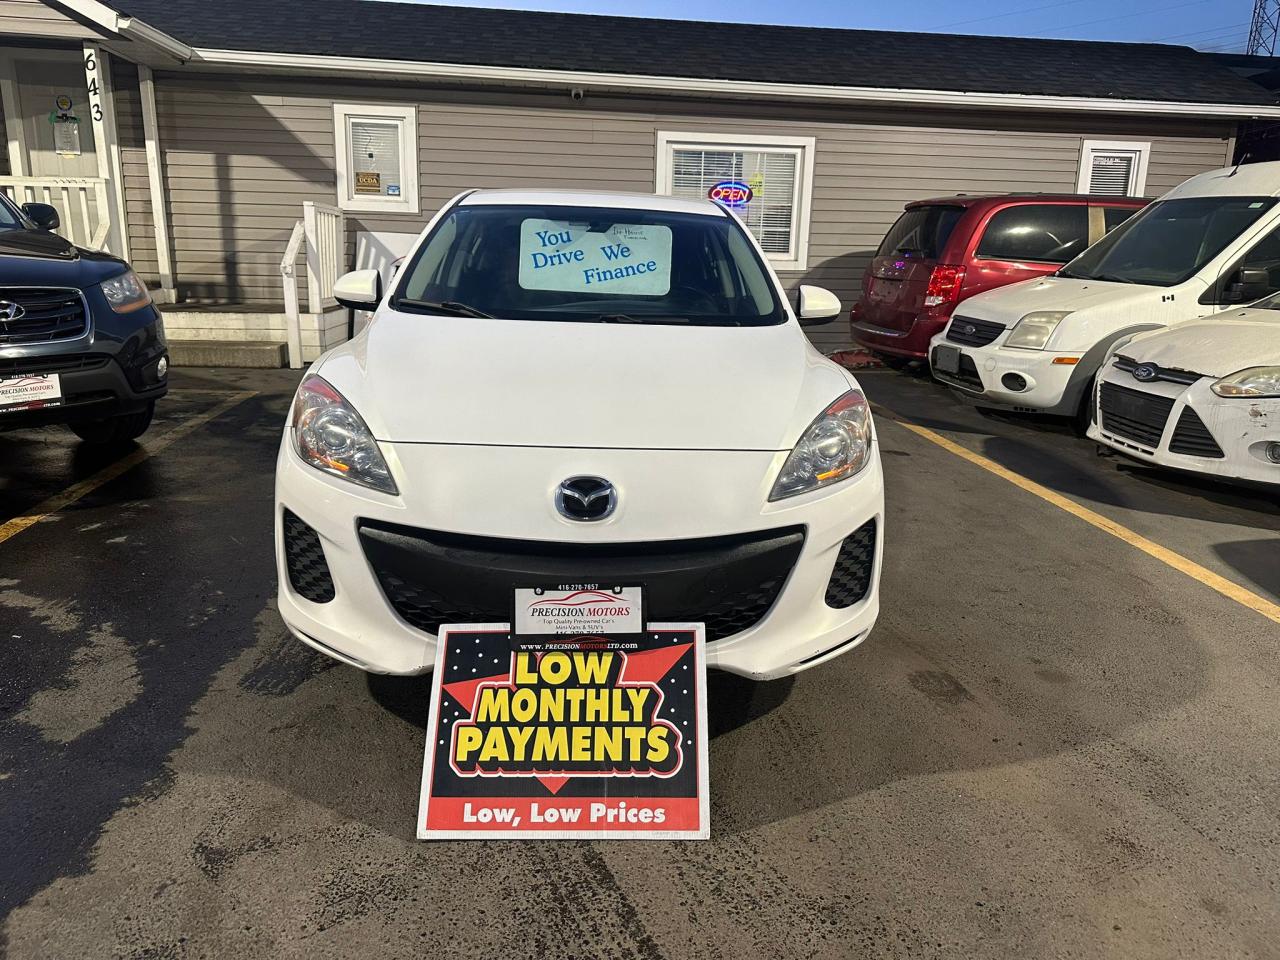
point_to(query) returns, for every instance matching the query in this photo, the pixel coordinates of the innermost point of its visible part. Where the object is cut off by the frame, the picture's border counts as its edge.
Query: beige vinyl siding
(34, 18)
(241, 159)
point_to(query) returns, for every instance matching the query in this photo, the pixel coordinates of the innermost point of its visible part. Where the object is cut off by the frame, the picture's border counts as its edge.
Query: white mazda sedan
(581, 388)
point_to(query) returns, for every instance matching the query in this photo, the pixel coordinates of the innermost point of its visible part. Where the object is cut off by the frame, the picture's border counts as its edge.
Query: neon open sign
(732, 193)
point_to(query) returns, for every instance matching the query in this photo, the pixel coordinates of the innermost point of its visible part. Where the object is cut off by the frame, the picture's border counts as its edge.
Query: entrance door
(41, 82)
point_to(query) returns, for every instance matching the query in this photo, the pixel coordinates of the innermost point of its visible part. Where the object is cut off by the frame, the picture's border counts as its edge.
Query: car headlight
(1033, 331)
(329, 435)
(126, 292)
(835, 446)
(1251, 382)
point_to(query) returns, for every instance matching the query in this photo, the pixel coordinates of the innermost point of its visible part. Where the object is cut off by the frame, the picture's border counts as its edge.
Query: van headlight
(1033, 331)
(834, 447)
(330, 436)
(1251, 382)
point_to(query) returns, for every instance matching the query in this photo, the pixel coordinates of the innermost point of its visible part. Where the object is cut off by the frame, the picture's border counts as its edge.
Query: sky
(1205, 24)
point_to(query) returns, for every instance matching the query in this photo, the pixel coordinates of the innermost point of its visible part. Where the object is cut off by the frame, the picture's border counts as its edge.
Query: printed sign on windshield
(586, 736)
(629, 259)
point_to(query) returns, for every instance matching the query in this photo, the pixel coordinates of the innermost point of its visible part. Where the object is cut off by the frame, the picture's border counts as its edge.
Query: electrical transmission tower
(1266, 23)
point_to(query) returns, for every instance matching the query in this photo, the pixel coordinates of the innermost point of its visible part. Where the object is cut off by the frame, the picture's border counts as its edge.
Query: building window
(377, 152)
(778, 170)
(1114, 168)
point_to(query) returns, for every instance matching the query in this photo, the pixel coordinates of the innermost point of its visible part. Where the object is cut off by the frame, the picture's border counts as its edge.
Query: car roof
(1247, 180)
(592, 198)
(992, 199)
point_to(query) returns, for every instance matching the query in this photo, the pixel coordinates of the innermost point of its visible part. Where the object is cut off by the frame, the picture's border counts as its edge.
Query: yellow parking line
(1230, 590)
(108, 473)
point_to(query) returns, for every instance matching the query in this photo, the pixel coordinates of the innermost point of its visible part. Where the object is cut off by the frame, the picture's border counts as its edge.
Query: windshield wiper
(1111, 278)
(627, 318)
(442, 306)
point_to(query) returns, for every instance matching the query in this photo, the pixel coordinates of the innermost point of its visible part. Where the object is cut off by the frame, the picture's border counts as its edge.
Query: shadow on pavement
(1258, 561)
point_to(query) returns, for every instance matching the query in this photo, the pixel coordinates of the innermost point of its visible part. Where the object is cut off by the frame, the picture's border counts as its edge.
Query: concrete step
(228, 353)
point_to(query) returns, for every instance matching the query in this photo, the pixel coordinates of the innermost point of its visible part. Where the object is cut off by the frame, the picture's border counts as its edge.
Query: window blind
(1111, 174)
(375, 158)
(771, 174)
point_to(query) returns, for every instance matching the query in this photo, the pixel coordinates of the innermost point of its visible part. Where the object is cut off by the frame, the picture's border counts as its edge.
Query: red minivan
(943, 251)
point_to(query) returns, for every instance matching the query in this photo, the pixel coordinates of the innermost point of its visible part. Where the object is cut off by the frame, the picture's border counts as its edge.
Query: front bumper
(1188, 428)
(983, 373)
(94, 386)
(478, 520)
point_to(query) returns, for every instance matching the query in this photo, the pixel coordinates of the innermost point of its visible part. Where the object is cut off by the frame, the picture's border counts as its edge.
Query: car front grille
(851, 576)
(1134, 415)
(41, 315)
(973, 333)
(431, 578)
(1171, 375)
(304, 558)
(58, 363)
(1192, 438)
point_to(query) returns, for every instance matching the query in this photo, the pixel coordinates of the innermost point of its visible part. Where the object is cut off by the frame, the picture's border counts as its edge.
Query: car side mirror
(359, 289)
(43, 215)
(816, 305)
(1248, 284)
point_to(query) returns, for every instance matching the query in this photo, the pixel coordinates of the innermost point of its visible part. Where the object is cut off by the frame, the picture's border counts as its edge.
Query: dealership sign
(567, 736)
(731, 193)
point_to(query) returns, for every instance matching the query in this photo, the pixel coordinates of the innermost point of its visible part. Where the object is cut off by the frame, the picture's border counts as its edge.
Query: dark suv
(943, 251)
(80, 341)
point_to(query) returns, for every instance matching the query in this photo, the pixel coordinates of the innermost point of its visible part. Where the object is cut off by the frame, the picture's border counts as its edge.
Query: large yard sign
(567, 736)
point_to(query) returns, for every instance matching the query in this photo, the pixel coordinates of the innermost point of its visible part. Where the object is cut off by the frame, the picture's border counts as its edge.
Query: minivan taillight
(944, 285)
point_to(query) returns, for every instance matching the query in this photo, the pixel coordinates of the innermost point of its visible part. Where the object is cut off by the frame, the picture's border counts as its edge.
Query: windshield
(9, 218)
(589, 264)
(1169, 241)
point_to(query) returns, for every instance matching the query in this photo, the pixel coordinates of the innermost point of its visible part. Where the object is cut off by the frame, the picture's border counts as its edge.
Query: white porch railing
(323, 232)
(83, 206)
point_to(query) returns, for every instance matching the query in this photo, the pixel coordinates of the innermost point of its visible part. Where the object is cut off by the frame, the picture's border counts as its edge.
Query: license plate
(20, 393)
(947, 359)
(577, 608)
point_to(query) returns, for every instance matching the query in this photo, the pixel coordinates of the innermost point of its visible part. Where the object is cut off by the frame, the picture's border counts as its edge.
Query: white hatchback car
(568, 387)
(1202, 397)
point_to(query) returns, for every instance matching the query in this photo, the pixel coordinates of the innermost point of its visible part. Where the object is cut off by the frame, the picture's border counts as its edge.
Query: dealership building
(242, 157)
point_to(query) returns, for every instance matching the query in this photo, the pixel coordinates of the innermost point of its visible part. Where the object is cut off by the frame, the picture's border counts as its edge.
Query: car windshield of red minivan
(920, 232)
(1169, 241)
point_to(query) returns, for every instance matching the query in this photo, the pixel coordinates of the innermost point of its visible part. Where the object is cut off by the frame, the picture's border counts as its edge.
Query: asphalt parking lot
(1061, 740)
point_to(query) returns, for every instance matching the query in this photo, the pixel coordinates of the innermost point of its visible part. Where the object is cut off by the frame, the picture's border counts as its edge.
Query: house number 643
(91, 80)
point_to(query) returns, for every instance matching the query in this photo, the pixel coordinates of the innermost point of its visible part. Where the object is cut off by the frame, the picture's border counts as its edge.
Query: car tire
(1085, 413)
(115, 430)
(893, 362)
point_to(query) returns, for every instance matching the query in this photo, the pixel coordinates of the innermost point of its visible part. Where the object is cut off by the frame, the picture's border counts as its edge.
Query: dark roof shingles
(692, 49)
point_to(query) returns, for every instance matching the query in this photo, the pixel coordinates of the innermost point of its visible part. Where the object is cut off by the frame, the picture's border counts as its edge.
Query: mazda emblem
(10, 311)
(586, 498)
(969, 329)
(1146, 372)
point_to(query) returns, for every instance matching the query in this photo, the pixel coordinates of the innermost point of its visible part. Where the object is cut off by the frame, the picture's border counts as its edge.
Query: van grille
(43, 315)
(973, 333)
(57, 363)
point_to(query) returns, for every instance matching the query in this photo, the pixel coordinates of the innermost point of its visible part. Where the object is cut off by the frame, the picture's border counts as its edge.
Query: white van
(1209, 244)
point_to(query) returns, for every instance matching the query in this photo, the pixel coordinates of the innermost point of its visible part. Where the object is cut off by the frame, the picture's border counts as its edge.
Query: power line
(998, 16)
(1142, 13)
(1197, 33)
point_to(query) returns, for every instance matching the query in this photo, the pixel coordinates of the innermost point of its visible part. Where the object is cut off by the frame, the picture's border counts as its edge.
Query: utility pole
(1262, 32)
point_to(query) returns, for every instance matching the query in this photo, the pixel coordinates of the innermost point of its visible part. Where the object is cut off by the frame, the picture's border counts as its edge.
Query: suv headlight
(1033, 331)
(1251, 382)
(835, 446)
(126, 292)
(329, 435)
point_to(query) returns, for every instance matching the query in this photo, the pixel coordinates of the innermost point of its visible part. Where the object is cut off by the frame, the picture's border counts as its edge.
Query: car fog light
(1014, 381)
(162, 368)
(1273, 452)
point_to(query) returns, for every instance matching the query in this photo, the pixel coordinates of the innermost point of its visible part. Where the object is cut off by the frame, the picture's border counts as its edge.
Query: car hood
(37, 258)
(428, 379)
(1215, 347)
(1008, 305)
